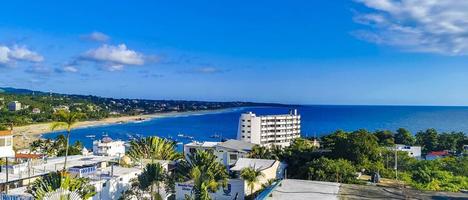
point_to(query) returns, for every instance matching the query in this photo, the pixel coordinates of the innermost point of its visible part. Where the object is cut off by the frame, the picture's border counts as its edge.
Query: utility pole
(396, 163)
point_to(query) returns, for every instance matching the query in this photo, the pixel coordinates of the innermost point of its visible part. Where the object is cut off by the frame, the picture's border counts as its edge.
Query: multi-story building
(108, 147)
(269, 129)
(14, 106)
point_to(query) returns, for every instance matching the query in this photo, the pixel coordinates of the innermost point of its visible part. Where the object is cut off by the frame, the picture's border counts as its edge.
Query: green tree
(428, 140)
(359, 147)
(453, 141)
(153, 175)
(405, 137)
(252, 177)
(259, 152)
(206, 172)
(66, 120)
(153, 148)
(385, 138)
(324, 169)
(58, 183)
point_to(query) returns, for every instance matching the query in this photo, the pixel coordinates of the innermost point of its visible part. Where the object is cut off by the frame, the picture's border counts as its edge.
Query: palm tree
(61, 185)
(207, 173)
(153, 148)
(259, 152)
(153, 174)
(251, 176)
(66, 120)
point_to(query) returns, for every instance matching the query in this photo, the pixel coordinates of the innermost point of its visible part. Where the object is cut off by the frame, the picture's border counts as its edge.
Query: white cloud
(66, 69)
(205, 70)
(114, 57)
(18, 53)
(436, 26)
(70, 69)
(96, 36)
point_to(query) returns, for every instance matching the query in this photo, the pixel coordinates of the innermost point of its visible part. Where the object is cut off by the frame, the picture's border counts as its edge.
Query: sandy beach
(24, 135)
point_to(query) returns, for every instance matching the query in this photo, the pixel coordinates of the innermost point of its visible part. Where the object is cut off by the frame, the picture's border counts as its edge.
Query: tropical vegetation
(251, 176)
(153, 148)
(343, 155)
(58, 184)
(208, 175)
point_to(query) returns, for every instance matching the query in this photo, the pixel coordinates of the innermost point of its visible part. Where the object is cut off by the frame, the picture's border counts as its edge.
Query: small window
(233, 156)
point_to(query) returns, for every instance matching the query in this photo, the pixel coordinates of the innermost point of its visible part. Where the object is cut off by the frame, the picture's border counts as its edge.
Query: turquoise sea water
(316, 120)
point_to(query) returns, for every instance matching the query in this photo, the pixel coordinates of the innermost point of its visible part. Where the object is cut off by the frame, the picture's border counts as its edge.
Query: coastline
(24, 135)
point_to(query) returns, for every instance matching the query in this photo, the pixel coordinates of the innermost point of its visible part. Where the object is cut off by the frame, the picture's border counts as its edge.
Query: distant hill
(38, 106)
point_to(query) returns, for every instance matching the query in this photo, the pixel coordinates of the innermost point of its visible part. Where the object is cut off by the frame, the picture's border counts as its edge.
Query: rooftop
(237, 145)
(260, 164)
(202, 144)
(292, 189)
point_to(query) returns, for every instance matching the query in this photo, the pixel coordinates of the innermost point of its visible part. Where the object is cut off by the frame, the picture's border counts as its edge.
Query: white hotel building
(269, 129)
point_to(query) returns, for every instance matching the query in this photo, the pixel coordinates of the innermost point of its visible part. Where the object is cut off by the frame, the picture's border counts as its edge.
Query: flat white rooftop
(292, 189)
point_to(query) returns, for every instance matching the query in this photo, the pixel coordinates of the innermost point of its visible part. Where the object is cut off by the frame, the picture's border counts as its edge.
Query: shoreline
(24, 135)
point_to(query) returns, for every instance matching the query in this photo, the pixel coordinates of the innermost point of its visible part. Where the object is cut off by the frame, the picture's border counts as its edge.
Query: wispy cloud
(113, 58)
(66, 69)
(96, 36)
(205, 70)
(9, 55)
(436, 26)
(39, 70)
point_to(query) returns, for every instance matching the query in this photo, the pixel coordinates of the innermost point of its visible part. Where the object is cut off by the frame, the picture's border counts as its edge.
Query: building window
(2, 142)
(192, 150)
(233, 156)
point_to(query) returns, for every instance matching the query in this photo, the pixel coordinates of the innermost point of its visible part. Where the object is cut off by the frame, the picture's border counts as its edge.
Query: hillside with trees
(40, 106)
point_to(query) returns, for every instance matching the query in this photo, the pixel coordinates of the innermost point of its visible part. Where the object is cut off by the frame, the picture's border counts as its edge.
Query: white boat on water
(90, 136)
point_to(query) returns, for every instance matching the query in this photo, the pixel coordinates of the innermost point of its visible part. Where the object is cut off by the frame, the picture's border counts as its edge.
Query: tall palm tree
(207, 173)
(61, 185)
(66, 120)
(251, 176)
(153, 174)
(154, 148)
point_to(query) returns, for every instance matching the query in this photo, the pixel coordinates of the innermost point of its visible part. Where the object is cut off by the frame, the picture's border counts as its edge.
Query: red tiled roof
(438, 153)
(29, 156)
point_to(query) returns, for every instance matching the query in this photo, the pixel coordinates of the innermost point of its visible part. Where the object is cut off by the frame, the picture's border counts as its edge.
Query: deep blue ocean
(316, 120)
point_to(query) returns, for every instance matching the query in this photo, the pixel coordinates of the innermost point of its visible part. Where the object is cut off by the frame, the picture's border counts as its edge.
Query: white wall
(235, 187)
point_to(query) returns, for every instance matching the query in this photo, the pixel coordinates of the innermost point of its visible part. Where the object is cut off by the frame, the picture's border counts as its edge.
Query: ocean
(317, 120)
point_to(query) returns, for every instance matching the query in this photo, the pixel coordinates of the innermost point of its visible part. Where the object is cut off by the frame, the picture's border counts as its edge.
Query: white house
(269, 129)
(413, 151)
(230, 151)
(271, 170)
(226, 152)
(14, 106)
(108, 147)
(194, 146)
(234, 190)
(6, 144)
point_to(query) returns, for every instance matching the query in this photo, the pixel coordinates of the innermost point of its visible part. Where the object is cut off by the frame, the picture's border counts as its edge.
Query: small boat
(90, 136)
(105, 135)
(215, 136)
(179, 143)
(180, 135)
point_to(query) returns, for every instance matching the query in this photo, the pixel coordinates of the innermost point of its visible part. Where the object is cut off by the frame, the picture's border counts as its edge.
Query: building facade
(108, 147)
(14, 106)
(6, 144)
(269, 129)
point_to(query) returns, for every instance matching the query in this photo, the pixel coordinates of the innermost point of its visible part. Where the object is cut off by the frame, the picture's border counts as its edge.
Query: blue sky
(397, 52)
